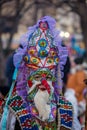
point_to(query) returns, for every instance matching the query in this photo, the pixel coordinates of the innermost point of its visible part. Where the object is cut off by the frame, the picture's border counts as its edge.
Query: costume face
(41, 77)
(41, 82)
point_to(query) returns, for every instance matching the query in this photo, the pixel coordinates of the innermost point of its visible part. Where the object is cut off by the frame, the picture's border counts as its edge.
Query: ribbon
(5, 113)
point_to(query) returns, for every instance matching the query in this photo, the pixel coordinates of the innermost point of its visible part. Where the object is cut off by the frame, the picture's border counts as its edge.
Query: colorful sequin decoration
(42, 53)
(35, 60)
(42, 43)
(26, 58)
(32, 51)
(50, 60)
(56, 59)
(53, 52)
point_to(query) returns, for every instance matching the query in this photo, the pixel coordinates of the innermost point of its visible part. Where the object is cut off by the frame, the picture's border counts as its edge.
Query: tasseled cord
(59, 80)
(5, 113)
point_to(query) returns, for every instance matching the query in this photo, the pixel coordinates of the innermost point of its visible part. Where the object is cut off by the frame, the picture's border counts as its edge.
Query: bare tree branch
(27, 8)
(74, 7)
(48, 3)
(4, 1)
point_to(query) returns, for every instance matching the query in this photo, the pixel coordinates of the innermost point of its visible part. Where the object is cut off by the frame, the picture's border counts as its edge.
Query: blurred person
(72, 92)
(83, 104)
(75, 88)
(35, 100)
(85, 96)
(75, 80)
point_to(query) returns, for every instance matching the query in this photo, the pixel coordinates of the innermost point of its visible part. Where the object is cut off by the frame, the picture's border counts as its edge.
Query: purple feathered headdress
(34, 34)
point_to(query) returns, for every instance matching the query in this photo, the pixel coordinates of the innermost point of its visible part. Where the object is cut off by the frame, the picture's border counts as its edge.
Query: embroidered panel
(29, 122)
(66, 113)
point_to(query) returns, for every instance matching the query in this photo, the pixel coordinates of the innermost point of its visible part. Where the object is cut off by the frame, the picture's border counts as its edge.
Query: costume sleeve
(76, 123)
(11, 121)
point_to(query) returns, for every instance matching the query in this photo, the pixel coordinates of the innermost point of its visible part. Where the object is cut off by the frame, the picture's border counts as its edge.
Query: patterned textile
(29, 120)
(66, 113)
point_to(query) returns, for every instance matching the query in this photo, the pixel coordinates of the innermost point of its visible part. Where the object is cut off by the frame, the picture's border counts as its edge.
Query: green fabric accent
(32, 94)
(42, 71)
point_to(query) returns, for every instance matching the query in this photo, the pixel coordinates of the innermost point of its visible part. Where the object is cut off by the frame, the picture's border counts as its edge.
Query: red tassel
(30, 83)
(44, 82)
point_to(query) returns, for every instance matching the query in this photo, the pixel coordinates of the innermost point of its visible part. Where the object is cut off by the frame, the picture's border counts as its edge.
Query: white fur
(41, 99)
